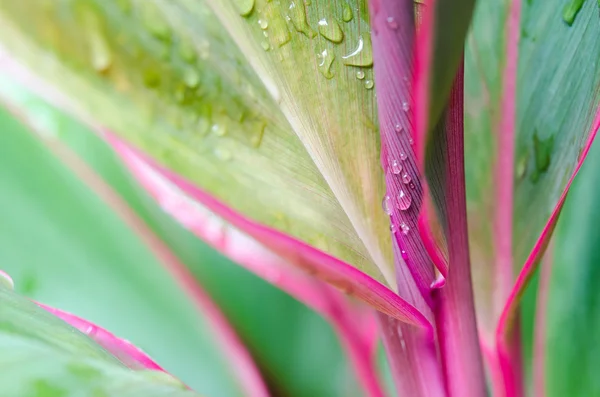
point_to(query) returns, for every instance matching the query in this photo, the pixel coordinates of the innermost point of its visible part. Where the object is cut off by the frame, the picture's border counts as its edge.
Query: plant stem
(455, 308)
(412, 356)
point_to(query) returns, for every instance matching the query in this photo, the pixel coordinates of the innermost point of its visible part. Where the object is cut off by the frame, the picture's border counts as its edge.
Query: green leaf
(42, 356)
(64, 247)
(572, 345)
(103, 273)
(557, 96)
(266, 114)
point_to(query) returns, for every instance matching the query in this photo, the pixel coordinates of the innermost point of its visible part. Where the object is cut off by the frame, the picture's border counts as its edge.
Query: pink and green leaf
(553, 124)
(270, 142)
(267, 341)
(42, 355)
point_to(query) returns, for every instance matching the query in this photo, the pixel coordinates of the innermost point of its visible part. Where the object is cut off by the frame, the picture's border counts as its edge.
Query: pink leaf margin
(510, 309)
(132, 356)
(355, 324)
(305, 258)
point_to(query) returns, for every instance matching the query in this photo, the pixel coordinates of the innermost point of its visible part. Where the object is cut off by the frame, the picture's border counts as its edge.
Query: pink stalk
(504, 175)
(241, 362)
(541, 310)
(509, 314)
(393, 31)
(455, 312)
(413, 359)
(353, 323)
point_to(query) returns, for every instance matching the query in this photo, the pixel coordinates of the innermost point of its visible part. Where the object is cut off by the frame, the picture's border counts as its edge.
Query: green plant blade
(89, 271)
(64, 247)
(43, 356)
(556, 98)
(571, 349)
(168, 78)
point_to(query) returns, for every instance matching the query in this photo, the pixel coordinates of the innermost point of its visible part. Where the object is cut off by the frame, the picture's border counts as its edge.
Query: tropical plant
(398, 167)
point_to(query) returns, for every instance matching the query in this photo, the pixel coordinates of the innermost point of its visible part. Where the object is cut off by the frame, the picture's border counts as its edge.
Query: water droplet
(278, 28)
(369, 84)
(346, 12)
(265, 45)
(404, 200)
(405, 228)
(155, 22)
(223, 154)
(331, 30)
(244, 7)
(521, 166)
(191, 77)
(391, 22)
(297, 15)
(398, 128)
(151, 77)
(187, 52)
(218, 129)
(360, 75)
(6, 281)
(393, 228)
(257, 139)
(406, 178)
(386, 204)
(90, 331)
(403, 156)
(101, 54)
(396, 167)
(411, 185)
(362, 55)
(325, 61)
(411, 141)
(403, 254)
(542, 152)
(405, 106)
(571, 10)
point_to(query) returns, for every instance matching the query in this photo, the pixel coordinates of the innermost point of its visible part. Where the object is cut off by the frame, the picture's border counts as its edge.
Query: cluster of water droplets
(403, 198)
(278, 19)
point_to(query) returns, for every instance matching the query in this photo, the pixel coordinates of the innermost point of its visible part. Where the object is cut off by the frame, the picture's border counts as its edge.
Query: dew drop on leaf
(392, 24)
(297, 15)
(244, 7)
(403, 156)
(331, 30)
(393, 228)
(186, 50)
(411, 185)
(191, 77)
(362, 54)
(218, 130)
(263, 23)
(346, 12)
(325, 61)
(405, 106)
(265, 45)
(405, 228)
(542, 152)
(360, 75)
(222, 154)
(571, 10)
(398, 128)
(101, 54)
(386, 204)
(369, 84)
(406, 178)
(396, 167)
(403, 200)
